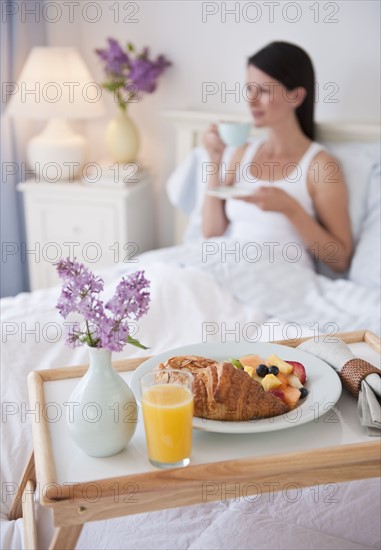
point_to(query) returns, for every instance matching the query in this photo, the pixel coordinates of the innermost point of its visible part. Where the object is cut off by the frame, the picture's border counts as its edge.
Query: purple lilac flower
(116, 60)
(130, 297)
(136, 73)
(80, 295)
(79, 290)
(112, 335)
(145, 73)
(73, 338)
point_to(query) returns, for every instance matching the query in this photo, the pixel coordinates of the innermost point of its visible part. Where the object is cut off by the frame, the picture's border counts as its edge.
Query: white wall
(345, 54)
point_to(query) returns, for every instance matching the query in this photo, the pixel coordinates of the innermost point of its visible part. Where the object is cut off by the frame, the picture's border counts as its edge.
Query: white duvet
(188, 306)
(278, 286)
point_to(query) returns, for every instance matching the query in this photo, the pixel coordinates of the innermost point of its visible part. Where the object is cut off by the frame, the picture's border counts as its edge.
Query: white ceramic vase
(102, 415)
(122, 139)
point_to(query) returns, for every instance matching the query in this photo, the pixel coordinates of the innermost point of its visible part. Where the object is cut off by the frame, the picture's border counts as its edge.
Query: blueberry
(303, 393)
(273, 370)
(262, 370)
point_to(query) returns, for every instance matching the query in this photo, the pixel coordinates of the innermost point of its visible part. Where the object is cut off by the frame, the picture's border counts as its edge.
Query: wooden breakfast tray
(74, 504)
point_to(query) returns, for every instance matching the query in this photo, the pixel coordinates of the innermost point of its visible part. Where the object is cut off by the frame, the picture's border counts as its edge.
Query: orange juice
(168, 413)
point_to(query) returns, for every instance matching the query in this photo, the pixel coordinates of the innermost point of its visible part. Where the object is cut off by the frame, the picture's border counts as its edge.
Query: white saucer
(229, 192)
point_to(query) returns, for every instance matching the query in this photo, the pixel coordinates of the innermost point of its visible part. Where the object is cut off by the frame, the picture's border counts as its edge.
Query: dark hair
(292, 67)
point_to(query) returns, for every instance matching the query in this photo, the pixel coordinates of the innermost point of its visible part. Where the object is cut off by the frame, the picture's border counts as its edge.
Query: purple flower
(130, 298)
(79, 289)
(136, 73)
(80, 294)
(145, 73)
(113, 335)
(116, 60)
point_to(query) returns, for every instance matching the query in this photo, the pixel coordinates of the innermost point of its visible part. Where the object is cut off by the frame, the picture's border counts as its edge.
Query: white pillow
(366, 263)
(357, 160)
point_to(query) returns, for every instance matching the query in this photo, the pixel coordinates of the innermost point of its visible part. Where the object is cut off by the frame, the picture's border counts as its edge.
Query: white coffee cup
(234, 133)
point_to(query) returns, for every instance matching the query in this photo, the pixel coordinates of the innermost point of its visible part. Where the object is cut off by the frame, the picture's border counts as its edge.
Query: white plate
(229, 192)
(323, 384)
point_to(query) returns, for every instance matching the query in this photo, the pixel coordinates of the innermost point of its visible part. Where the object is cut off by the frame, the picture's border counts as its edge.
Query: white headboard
(189, 126)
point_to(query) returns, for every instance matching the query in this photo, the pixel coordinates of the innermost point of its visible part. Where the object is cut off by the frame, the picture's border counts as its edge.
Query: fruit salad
(284, 379)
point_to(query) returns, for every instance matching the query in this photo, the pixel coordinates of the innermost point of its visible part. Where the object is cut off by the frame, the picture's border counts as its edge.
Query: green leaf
(112, 86)
(130, 47)
(236, 363)
(135, 342)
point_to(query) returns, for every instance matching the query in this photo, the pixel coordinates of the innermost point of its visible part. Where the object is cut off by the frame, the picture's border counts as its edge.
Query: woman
(260, 248)
(307, 205)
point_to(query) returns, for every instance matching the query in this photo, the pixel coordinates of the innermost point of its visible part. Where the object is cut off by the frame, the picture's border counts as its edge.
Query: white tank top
(249, 223)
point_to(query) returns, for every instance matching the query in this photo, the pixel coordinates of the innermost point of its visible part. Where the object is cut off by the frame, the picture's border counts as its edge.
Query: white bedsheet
(186, 305)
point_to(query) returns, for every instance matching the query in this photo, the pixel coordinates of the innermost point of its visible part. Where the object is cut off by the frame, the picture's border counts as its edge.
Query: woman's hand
(273, 199)
(213, 143)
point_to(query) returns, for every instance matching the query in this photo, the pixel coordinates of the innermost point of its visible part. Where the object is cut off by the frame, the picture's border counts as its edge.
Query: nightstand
(100, 224)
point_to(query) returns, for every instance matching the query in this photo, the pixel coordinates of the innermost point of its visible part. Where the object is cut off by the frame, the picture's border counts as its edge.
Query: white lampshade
(55, 85)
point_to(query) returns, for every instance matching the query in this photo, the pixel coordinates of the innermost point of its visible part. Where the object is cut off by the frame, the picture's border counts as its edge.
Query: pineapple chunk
(270, 382)
(283, 367)
(251, 372)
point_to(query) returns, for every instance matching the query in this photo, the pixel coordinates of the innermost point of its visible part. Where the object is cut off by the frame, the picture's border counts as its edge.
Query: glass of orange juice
(167, 402)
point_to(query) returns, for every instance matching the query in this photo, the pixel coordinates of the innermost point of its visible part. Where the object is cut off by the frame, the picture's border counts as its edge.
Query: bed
(198, 308)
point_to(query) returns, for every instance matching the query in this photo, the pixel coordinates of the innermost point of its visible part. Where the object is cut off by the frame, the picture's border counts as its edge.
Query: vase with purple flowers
(129, 76)
(102, 410)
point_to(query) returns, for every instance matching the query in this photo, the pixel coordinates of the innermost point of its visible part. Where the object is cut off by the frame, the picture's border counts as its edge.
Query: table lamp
(55, 84)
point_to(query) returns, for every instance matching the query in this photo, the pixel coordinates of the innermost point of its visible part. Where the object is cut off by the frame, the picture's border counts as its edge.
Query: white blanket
(269, 280)
(187, 306)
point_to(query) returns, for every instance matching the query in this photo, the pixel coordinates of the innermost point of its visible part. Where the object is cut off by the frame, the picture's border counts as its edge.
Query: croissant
(223, 392)
(190, 363)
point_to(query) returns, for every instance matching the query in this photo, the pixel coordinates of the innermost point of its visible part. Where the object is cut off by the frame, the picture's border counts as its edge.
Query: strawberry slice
(299, 370)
